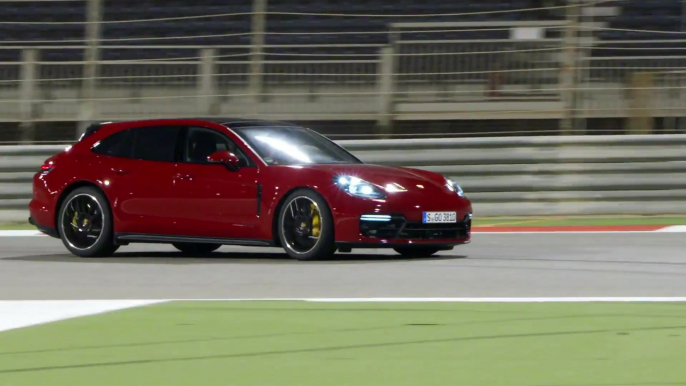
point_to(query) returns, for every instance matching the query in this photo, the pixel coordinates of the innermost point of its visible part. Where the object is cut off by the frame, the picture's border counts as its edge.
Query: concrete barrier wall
(502, 176)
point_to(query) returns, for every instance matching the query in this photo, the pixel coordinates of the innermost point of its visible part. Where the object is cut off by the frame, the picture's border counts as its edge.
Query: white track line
(673, 229)
(18, 314)
(20, 233)
(593, 299)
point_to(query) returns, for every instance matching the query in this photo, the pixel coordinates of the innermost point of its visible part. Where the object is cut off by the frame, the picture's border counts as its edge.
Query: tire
(417, 251)
(296, 239)
(196, 249)
(78, 227)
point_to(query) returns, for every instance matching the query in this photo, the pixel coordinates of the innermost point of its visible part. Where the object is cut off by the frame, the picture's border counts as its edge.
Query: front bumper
(397, 231)
(408, 208)
(398, 227)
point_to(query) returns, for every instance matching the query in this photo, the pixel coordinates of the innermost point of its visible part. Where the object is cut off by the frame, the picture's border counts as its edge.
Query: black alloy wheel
(85, 223)
(306, 226)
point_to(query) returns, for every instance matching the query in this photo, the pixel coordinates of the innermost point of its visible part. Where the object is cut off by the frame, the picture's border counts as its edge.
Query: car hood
(410, 179)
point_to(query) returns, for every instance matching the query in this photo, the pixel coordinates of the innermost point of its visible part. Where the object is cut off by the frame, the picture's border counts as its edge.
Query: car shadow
(164, 257)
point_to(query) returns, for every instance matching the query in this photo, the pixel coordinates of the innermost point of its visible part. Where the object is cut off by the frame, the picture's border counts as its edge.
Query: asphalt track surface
(493, 265)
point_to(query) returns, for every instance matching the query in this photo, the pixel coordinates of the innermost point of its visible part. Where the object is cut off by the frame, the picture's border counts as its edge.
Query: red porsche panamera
(200, 184)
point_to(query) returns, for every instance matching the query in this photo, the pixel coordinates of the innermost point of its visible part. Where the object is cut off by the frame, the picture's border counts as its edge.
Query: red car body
(162, 201)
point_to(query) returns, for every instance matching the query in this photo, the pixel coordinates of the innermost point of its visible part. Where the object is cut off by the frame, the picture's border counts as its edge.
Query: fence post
(207, 86)
(568, 77)
(90, 70)
(386, 88)
(259, 16)
(27, 94)
(640, 103)
(585, 41)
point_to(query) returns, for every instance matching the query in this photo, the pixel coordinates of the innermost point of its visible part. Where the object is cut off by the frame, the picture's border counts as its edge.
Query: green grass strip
(299, 343)
(16, 227)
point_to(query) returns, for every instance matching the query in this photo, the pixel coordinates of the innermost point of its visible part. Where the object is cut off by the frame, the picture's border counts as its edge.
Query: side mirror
(224, 157)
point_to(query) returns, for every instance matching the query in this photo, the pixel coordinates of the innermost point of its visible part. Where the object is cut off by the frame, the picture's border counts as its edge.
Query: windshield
(293, 146)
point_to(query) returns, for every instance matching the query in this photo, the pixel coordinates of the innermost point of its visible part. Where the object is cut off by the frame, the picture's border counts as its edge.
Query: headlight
(454, 187)
(358, 187)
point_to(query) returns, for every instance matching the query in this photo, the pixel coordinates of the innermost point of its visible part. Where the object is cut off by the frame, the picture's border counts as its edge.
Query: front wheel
(417, 251)
(306, 226)
(196, 249)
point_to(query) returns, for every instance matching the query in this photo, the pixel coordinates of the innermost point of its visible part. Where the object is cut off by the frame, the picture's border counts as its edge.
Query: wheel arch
(70, 188)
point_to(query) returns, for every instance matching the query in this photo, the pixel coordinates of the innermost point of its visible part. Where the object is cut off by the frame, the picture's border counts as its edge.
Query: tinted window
(156, 143)
(117, 145)
(294, 145)
(202, 143)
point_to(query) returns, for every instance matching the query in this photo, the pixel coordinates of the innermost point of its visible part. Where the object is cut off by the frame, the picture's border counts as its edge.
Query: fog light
(375, 217)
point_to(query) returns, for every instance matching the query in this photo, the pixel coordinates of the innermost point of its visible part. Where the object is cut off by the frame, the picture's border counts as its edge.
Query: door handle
(120, 172)
(184, 176)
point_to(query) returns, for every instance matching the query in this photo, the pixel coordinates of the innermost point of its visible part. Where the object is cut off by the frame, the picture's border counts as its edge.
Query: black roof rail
(245, 122)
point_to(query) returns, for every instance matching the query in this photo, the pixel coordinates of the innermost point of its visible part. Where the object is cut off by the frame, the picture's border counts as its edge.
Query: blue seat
(645, 16)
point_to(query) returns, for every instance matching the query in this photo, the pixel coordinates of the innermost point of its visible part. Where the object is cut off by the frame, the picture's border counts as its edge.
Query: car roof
(232, 123)
(237, 123)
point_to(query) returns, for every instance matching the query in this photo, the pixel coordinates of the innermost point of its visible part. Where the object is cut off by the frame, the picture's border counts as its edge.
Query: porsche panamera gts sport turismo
(200, 184)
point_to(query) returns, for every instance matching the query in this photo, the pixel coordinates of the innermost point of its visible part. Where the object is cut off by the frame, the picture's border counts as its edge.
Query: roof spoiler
(90, 130)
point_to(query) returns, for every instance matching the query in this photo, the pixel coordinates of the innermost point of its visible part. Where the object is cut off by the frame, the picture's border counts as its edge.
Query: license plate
(439, 217)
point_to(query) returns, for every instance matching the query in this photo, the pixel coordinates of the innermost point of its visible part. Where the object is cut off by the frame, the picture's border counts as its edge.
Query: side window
(119, 144)
(156, 143)
(203, 142)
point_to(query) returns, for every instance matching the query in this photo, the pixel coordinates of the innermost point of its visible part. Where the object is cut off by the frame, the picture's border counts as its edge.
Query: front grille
(399, 228)
(382, 230)
(415, 230)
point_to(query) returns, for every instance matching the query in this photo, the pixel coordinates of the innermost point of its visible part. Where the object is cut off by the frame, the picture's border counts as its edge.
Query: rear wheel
(196, 249)
(417, 251)
(85, 223)
(306, 226)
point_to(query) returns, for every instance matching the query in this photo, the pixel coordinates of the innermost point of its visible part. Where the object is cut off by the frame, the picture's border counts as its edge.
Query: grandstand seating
(664, 15)
(636, 19)
(371, 29)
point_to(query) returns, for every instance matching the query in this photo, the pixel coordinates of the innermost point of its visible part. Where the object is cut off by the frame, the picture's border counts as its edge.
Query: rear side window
(116, 145)
(156, 143)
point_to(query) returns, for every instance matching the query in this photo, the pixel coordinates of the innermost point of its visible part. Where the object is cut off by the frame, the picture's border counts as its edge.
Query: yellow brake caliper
(316, 221)
(75, 220)
(85, 220)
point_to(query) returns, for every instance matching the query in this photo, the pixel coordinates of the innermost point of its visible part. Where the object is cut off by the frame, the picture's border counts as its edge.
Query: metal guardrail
(502, 176)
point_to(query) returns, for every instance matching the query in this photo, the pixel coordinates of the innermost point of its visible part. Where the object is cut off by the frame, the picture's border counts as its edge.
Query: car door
(217, 202)
(141, 179)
